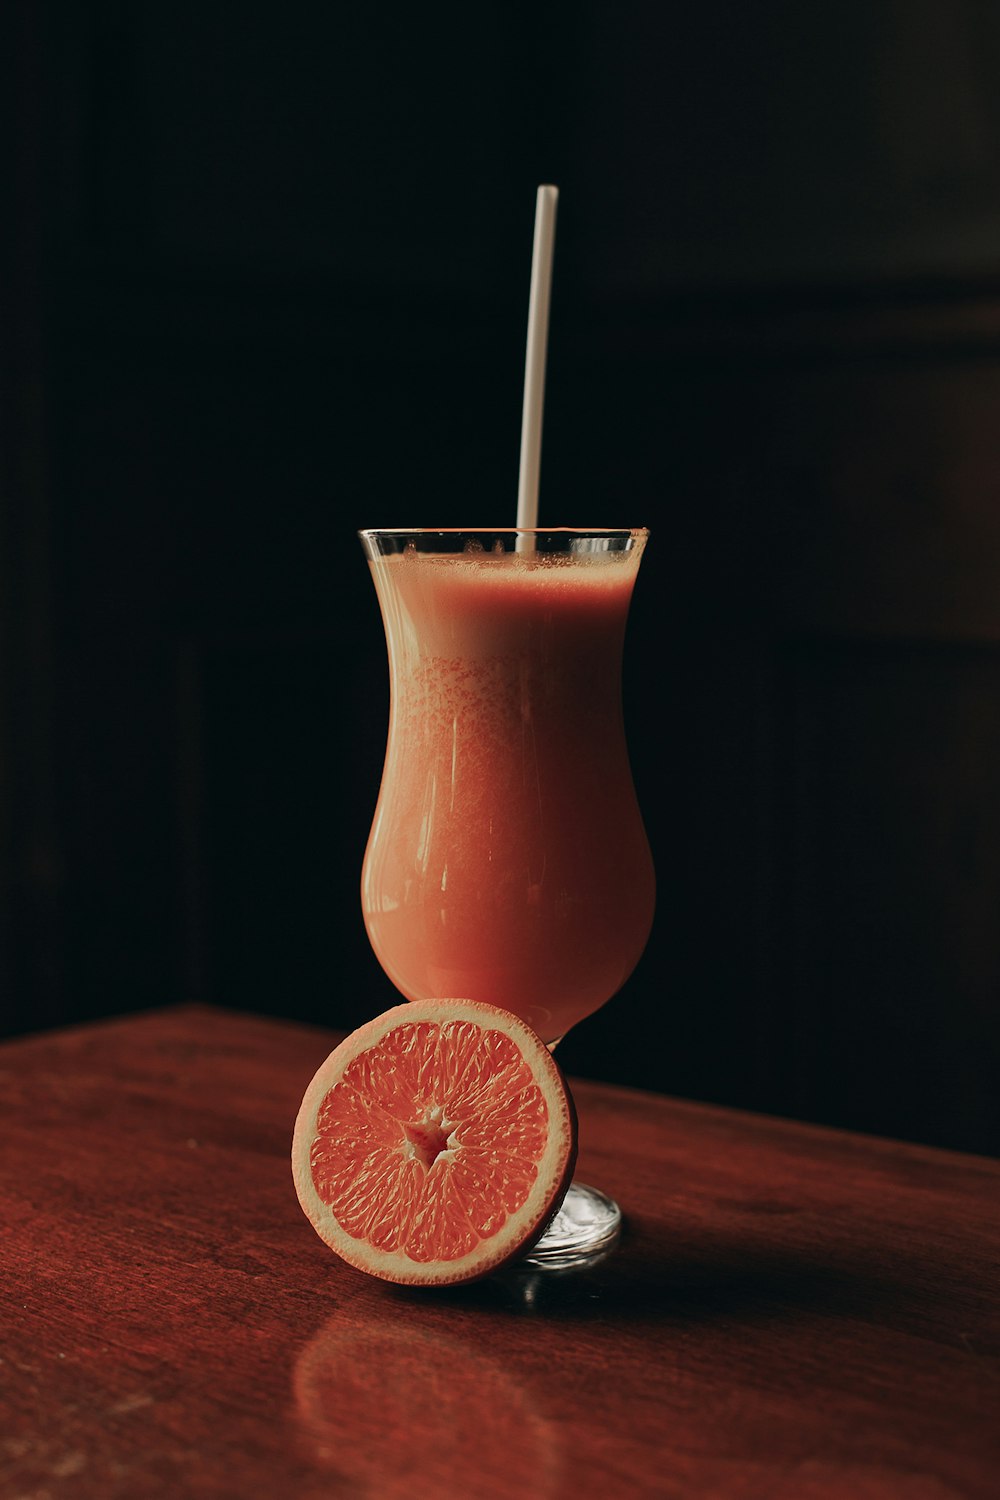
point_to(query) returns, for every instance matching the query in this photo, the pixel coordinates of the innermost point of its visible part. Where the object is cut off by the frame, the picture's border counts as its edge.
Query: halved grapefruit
(435, 1143)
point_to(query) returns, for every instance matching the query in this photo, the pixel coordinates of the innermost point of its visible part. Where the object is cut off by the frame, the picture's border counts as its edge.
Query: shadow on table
(689, 1278)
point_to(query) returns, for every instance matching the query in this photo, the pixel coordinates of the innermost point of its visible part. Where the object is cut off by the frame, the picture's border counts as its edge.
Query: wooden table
(792, 1312)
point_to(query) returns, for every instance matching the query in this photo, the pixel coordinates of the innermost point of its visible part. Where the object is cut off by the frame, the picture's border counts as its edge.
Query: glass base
(587, 1227)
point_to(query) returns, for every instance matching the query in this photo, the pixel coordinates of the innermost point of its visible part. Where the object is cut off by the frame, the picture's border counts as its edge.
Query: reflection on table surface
(406, 1410)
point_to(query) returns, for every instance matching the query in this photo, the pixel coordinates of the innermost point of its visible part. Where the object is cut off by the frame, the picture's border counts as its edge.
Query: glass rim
(598, 531)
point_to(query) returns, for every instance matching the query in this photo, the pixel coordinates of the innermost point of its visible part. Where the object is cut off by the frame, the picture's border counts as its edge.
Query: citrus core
(434, 1143)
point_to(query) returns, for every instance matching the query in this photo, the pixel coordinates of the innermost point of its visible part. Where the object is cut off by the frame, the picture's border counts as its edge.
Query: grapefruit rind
(524, 1207)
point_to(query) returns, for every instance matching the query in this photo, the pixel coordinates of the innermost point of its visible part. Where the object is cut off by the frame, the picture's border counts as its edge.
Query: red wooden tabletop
(792, 1312)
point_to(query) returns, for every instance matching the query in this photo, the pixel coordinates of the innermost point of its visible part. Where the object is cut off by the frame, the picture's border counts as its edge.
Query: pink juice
(508, 860)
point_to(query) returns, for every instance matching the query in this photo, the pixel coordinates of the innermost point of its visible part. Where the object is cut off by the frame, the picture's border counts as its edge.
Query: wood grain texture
(792, 1312)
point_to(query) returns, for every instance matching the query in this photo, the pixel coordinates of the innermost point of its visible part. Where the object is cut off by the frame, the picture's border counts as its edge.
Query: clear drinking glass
(507, 860)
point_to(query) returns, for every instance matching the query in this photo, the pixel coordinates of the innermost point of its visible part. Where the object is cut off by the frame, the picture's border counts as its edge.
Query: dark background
(264, 281)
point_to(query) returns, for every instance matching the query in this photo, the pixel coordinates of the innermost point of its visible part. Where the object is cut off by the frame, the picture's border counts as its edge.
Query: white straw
(534, 361)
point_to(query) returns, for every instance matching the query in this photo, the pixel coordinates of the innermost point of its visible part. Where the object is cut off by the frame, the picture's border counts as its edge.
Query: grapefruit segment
(434, 1143)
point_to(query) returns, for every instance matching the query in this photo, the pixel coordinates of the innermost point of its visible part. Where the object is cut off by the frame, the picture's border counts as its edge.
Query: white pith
(433, 1120)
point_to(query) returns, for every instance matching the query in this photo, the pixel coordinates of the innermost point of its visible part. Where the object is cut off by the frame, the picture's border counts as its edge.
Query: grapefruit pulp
(434, 1143)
